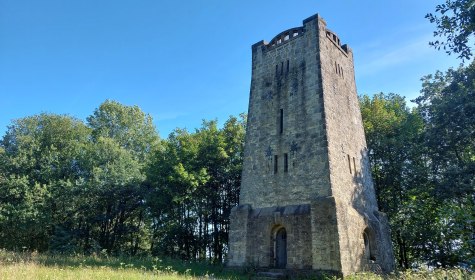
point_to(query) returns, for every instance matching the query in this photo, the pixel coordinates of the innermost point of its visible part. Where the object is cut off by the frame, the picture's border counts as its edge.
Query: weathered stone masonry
(307, 199)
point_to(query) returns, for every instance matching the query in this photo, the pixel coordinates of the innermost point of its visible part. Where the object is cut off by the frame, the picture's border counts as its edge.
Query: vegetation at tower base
(423, 164)
(194, 182)
(394, 135)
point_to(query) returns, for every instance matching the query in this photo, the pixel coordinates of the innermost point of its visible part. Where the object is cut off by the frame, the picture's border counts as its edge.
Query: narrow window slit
(349, 164)
(276, 164)
(281, 121)
(286, 163)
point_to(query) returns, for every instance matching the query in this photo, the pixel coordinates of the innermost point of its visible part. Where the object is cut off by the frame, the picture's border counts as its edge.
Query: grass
(438, 274)
(26, 266)
(27, 271)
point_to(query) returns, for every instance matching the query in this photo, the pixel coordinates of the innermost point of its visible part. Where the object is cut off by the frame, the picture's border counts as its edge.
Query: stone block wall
(285, 81)
(325, 242)
(350, 174)
(305, 163)
(255, 245)
(238, 235)
(349, 167)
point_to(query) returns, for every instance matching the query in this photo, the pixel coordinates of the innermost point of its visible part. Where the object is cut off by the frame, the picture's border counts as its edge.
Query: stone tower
(307, 199)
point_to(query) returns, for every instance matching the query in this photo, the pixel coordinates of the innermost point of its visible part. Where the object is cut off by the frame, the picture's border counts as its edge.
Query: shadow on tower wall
(378, 255)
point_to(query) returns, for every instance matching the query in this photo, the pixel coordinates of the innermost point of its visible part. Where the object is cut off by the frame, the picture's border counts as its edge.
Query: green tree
(40, 166)
(174, 176)
(424, 168)
(123, 137)
(455, 25)
(129, 126)
(394, 136)
(220, 152)
(447, 104)
(112, 199)
(195, 182)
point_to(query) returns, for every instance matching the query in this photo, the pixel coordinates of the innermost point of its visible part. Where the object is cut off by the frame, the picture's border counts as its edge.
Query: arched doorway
(281, 248)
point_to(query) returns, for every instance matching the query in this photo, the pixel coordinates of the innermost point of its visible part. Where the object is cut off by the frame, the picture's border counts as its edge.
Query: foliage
(448, 106)
(456, 25)
(424, 168)
(122, 139)
(112, 186)
(195, 182)
(39, 170)
(129, 126)
(394, 136)
(68, 187)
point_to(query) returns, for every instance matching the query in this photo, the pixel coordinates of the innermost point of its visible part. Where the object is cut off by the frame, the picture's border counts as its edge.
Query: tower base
(323, 236)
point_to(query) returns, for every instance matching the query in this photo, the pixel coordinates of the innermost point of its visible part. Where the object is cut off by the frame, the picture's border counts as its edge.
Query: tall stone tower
(307, 199)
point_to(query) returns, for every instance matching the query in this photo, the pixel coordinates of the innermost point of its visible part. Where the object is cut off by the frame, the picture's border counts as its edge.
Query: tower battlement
(307, 200)
(292, 33)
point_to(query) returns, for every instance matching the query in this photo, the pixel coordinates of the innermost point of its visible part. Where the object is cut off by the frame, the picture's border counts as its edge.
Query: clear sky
(184, 61)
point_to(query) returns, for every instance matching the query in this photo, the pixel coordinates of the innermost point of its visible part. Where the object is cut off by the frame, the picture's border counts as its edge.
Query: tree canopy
(423, 162)
(455, 26)
(112, 186)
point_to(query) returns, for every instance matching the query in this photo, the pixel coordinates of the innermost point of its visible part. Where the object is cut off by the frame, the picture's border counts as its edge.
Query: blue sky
(184, 61)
